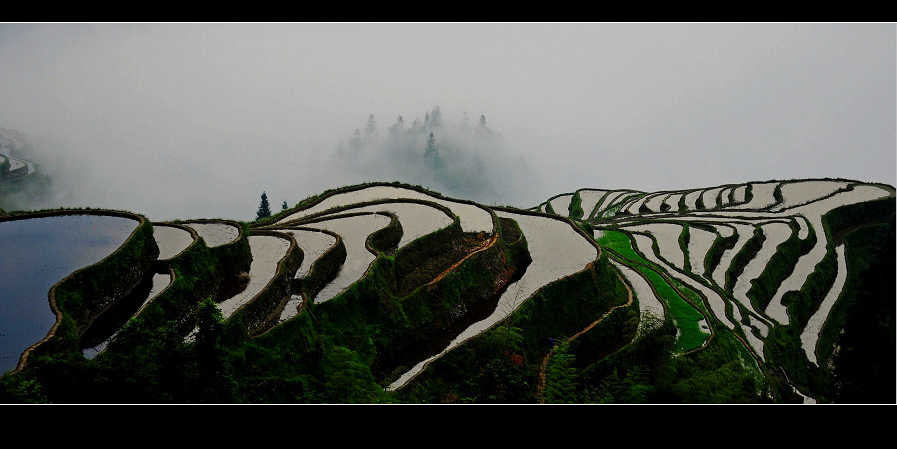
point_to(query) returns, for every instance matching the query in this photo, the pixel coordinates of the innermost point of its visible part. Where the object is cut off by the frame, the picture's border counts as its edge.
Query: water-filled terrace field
(754, 271)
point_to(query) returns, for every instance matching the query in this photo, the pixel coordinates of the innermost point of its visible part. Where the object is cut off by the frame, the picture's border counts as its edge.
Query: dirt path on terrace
(541, 391)
(482, 247)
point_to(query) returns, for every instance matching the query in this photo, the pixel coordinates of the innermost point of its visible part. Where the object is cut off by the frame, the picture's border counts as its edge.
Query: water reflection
(106, 326)
(35, 254)
(557, 251)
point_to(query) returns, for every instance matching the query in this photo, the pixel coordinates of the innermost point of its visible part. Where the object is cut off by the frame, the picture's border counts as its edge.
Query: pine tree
(431, 155)
(264, 208)
(435, 118)
(284, 205)
(398, 127)
(371, 129)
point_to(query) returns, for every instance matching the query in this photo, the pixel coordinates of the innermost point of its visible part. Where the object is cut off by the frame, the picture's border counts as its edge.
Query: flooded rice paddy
(17, 164)
(589, 200)
(417, 219)
(267, 252)
(35, 254)
(710, 197)
(666, 236)
(691, 199)
(672, 201)
(699, 243)
(97, 340)
(473, 217)
(171, 240)
(354, 231)
(313, 243)
(744, 233)
(776, 233)
(655, 202)
(799, 193)
(780, 210)
(648, 302)
(557, 251)
(215, 234)
(762, 196)
(813, 212)
(810, 334)
(561, 204)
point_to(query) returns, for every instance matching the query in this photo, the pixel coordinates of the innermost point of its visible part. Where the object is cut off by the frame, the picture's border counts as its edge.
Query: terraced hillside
(765, 292)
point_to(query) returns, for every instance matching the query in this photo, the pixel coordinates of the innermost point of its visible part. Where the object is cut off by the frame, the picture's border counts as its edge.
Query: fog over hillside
(463, 158)
(197, 120)
(457, 157)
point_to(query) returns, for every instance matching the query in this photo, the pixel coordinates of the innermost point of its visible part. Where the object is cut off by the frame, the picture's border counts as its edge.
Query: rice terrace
(774, 291)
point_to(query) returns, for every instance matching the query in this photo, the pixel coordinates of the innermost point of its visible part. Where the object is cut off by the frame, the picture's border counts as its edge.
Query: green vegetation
(581, 338)
(682, 304)
(863, 351)
(646, 373)
(503, 364)
(780, 266)
(264, 208)
(85, 294)
(576, 211)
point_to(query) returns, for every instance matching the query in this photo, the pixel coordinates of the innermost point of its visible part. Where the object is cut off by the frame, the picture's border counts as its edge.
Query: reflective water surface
(35, 254)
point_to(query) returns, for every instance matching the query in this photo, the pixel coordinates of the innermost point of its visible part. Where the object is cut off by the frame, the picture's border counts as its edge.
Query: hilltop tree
(370, 131)
(284, 206)
(431, 156)
(398, 127)
(482, 130)
(264, 208)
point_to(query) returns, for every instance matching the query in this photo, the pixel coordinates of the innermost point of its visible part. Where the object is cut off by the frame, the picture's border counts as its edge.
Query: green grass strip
(684, 314)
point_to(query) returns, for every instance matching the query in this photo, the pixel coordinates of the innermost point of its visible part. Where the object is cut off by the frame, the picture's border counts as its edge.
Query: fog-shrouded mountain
(463, 158)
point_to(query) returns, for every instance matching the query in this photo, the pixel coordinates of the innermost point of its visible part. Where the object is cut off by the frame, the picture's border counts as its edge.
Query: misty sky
(196, 120)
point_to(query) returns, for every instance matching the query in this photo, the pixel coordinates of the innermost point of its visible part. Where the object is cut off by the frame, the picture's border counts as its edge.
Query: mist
(180, 121)
(462, 159)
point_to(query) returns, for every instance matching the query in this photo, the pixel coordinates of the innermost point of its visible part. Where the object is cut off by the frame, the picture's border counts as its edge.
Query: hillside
(763, 292)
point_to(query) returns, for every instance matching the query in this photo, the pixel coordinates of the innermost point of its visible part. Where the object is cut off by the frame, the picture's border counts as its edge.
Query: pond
(35, 254)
